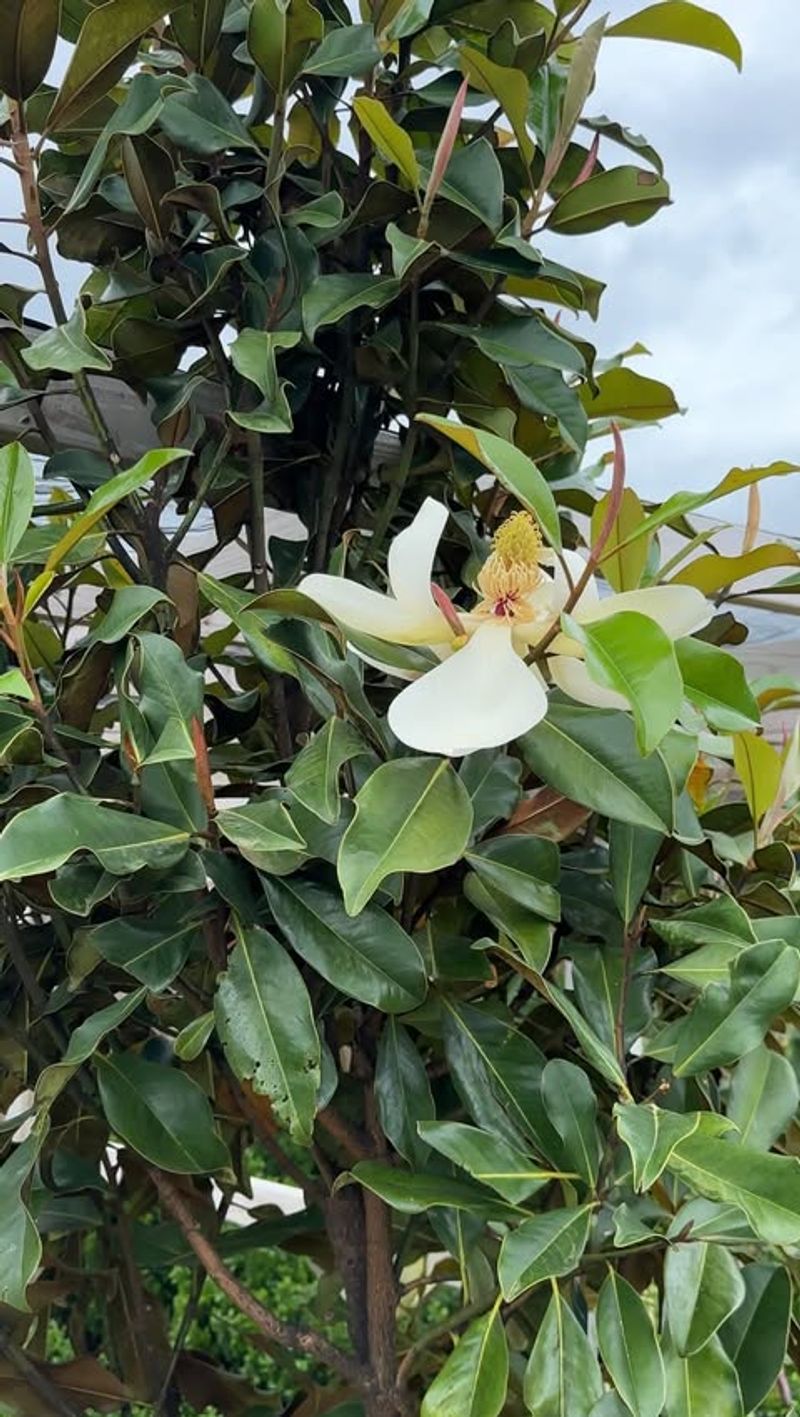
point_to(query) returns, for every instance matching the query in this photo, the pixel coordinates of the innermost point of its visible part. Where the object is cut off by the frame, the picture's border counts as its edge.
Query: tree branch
(298, 1340)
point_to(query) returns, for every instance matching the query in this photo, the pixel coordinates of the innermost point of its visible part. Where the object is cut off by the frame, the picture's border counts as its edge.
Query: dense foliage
(519, 1020)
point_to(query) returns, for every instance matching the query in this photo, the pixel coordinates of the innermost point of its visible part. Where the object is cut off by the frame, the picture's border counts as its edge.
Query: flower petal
(481, 697)
(576, 565)
(573, 677)
(367, 612)
(411, 556)
(678, 609)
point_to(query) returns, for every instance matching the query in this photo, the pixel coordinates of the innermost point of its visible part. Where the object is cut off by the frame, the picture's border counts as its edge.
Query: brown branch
(275, 1330)
(36, 1380)
(348, 1136)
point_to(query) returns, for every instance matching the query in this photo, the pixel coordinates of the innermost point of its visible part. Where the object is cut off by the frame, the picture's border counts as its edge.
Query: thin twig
(297, 1340)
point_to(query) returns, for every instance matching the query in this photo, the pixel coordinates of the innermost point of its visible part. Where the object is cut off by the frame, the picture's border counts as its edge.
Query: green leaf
(622, 194)
(758, 765)
(765, 1186)
(729, 1020)
(717, 922)
(613, 992)
(681, 23)
(66, 348)
(623, 393)
(130, 605)
(764, 1097)
(596, 1051)
(508, 87)
(702, 1384)
(491, 778)
(651, 1134)
(392, 141)
(136, 114)
(703, 1286)
(497, 1070)
(17, 496)
(280, 36)
(266, 1024)
(717, 684)
(572, 1108)
(562, 1378)
(41, 838)
(412, 1192)
(253, 354)
(590, 756)
(531, 934)
(264, 833)
(488, 1158)
(313, 777)
(525, 868)
(629, 1347)
(153, 948)
(371, 958)
(161, 1113)
(545, 392)
(82, 1044)
(474, 1379)
(106, 45)
(512, 468)
(29, 40)
(631, 655)
(13, 684)
(632, 852)
(331, 297)
(402, 1092)
(107, 496)
(474, 181)
(197, 27)
(624, 569)
(413, 814)
(755, 1336)
(201, 121)
(544, 1247)
(20, 1246)
(345, 53)
(193, 1037)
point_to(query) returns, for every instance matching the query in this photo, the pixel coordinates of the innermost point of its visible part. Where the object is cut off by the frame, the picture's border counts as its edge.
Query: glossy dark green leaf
(331, 297)
(474, 181)
(197, 26)
(264, 833)
(629, 1347)
(703, 1287)
(280, 34)
(764, 1097)
(614, 992)
(651, 1134)
(200, 120)
(765, 1186)
(402, 1092)
(20, 1246)
(595, 1049)
(161, 1113)
(413, 814)
(525, 868)
(31, 31)
(344, 53)
(265, 1021)
(17, 492)
(622, 194)
(488, 1158)
(728, 1020)
(492, 781)
(43, 837)
(106, 45)
(86, 1038)
(590, 755)
(370, 957)
(704, 1383)
(314, 775)
(412, 1192)
(572, 1109)
(530, 933)
(153, 948)
(474, 1379)
(563, 1377)
(544, 1247)
(755, 1335)
(632, 851)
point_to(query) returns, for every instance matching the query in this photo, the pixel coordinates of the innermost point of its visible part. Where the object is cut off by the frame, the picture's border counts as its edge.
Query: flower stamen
(512, 570)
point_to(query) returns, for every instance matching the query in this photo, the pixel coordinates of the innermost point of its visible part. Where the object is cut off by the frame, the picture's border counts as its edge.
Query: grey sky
(711, 284)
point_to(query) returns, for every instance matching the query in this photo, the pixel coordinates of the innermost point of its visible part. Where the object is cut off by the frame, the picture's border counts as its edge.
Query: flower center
(512, 570)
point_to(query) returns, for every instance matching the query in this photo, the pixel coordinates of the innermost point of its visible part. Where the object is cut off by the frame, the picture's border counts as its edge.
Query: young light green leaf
(392, 141)
(17, 494)
(631, 655)
(253, 355)
(107, 496)
(193, 1037)
(66, 348)
(413, 814)
(717, 684)
(474, 1379)
(265, 1021)
(680, 22)
(651, 1134)
(629, 1347)
(161, 1113)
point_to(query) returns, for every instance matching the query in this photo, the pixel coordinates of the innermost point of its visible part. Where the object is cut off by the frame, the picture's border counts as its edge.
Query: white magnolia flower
(483, 694)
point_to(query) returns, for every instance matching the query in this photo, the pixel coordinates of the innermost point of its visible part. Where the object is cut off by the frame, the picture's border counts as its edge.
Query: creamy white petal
(411, 556)
(576, 565)
(369, 613)
(678, 609)
(573, 677)
(481, 697)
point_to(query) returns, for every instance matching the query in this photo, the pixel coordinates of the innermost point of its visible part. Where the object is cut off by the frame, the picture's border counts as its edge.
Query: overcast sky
(711, 284)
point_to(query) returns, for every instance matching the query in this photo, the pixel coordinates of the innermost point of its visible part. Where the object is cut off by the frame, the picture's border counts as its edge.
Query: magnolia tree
(414, 827)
